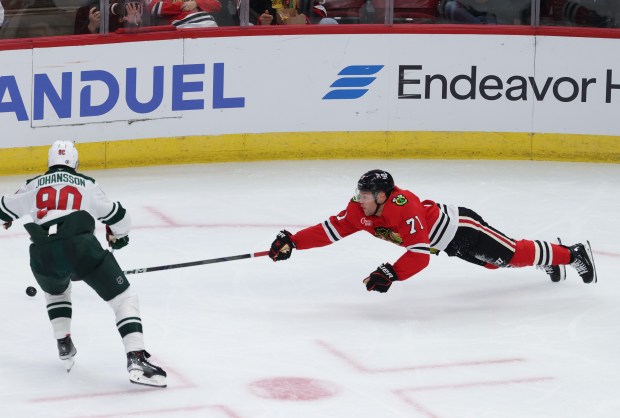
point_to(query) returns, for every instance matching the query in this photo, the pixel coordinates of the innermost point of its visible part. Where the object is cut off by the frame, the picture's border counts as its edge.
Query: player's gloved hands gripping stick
(282, 246)
(381, 279)
(113, 241)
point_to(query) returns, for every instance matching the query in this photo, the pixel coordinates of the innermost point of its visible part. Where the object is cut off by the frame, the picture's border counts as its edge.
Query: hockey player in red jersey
(425, 227)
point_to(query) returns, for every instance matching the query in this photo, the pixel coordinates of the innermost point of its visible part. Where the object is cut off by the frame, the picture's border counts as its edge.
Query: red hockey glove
(282, 246)
(381, 279)
(114, 242)
(7, 225)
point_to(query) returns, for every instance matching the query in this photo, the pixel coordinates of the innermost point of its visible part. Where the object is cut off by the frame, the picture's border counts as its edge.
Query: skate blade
(562, 272)
(589, 251)
(137, 377)
(562, 266)
(69, 362)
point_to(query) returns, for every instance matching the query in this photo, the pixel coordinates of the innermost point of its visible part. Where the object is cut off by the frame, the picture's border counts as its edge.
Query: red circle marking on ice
(293, 389)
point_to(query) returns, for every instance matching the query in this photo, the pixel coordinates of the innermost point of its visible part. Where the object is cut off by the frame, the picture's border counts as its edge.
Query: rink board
(383, 95)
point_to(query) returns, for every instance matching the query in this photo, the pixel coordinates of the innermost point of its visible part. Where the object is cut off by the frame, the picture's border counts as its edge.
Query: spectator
(88, 17)
(257, 7)
(318, 14)
(569, 13)
(34, 18)
(263, 12)
(454, 11)
(186, 14)
(272, 7)
(1, 15)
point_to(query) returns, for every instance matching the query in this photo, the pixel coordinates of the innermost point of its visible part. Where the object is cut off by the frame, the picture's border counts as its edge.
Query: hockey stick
(196, 263)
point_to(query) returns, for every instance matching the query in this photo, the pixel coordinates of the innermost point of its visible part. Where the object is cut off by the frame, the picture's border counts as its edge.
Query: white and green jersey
(60, 191)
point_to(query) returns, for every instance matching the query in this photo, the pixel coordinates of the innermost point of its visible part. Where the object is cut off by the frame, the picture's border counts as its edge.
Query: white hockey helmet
(63, 153)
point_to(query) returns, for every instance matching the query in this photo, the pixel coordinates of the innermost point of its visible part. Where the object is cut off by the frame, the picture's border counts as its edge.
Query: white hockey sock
(59, 311)
(127, 310)
(133, 342)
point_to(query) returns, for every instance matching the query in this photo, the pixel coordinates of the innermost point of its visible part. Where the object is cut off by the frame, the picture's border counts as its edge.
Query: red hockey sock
(561, 254)
(542, 253)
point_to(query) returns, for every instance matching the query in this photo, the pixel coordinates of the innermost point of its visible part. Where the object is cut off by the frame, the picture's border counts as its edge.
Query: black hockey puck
(31, 291)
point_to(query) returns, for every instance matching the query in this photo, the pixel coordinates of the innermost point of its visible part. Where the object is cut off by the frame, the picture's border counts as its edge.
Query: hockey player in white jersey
(63, 205)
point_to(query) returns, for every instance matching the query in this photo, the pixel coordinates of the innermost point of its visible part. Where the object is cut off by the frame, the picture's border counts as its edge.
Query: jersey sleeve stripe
(5, 213)
(117, 217)
(5, 217)
(109, 215)
(419, 248)
(331, 232)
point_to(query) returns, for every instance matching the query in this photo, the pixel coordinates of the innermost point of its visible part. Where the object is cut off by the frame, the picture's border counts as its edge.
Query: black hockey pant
(73, 253)
(479, 243)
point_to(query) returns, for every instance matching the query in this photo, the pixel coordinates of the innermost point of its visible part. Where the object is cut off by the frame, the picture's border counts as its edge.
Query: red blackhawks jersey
(417, 226)
(172, 11)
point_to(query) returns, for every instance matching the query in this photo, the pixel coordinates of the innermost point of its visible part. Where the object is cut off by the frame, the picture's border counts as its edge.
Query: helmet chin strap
(379, 205)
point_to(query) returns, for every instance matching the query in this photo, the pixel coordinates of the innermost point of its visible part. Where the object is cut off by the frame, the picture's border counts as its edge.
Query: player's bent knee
(108, 280)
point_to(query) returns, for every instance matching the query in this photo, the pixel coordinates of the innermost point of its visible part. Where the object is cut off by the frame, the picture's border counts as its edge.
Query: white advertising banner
(293, 83)
(580, 86)
(15, 94)
(372, 83)
(105, 83)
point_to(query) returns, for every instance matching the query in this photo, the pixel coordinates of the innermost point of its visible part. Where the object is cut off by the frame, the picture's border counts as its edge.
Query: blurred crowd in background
(37, 18)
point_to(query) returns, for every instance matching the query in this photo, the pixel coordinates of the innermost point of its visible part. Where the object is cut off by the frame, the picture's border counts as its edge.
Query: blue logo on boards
(60, 97)
(353, 78)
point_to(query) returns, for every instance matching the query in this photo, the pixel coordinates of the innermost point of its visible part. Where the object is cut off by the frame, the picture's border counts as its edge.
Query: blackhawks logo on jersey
(388, 235)
(400, 200)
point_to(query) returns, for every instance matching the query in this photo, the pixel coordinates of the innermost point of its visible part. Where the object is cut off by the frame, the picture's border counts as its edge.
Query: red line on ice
(357, 366)
(167, 219)
(185, 384)
(416, 405)
(476, 384)
(222, 408)
(130, 392)
(402, 393)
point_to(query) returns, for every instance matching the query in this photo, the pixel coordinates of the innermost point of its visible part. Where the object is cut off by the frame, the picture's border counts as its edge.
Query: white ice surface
(456, 341)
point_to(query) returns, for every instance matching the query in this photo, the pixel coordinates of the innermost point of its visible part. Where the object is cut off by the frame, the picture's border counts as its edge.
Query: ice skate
(66, 351)
(583, 262)
(556, 273)
(143, 372)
